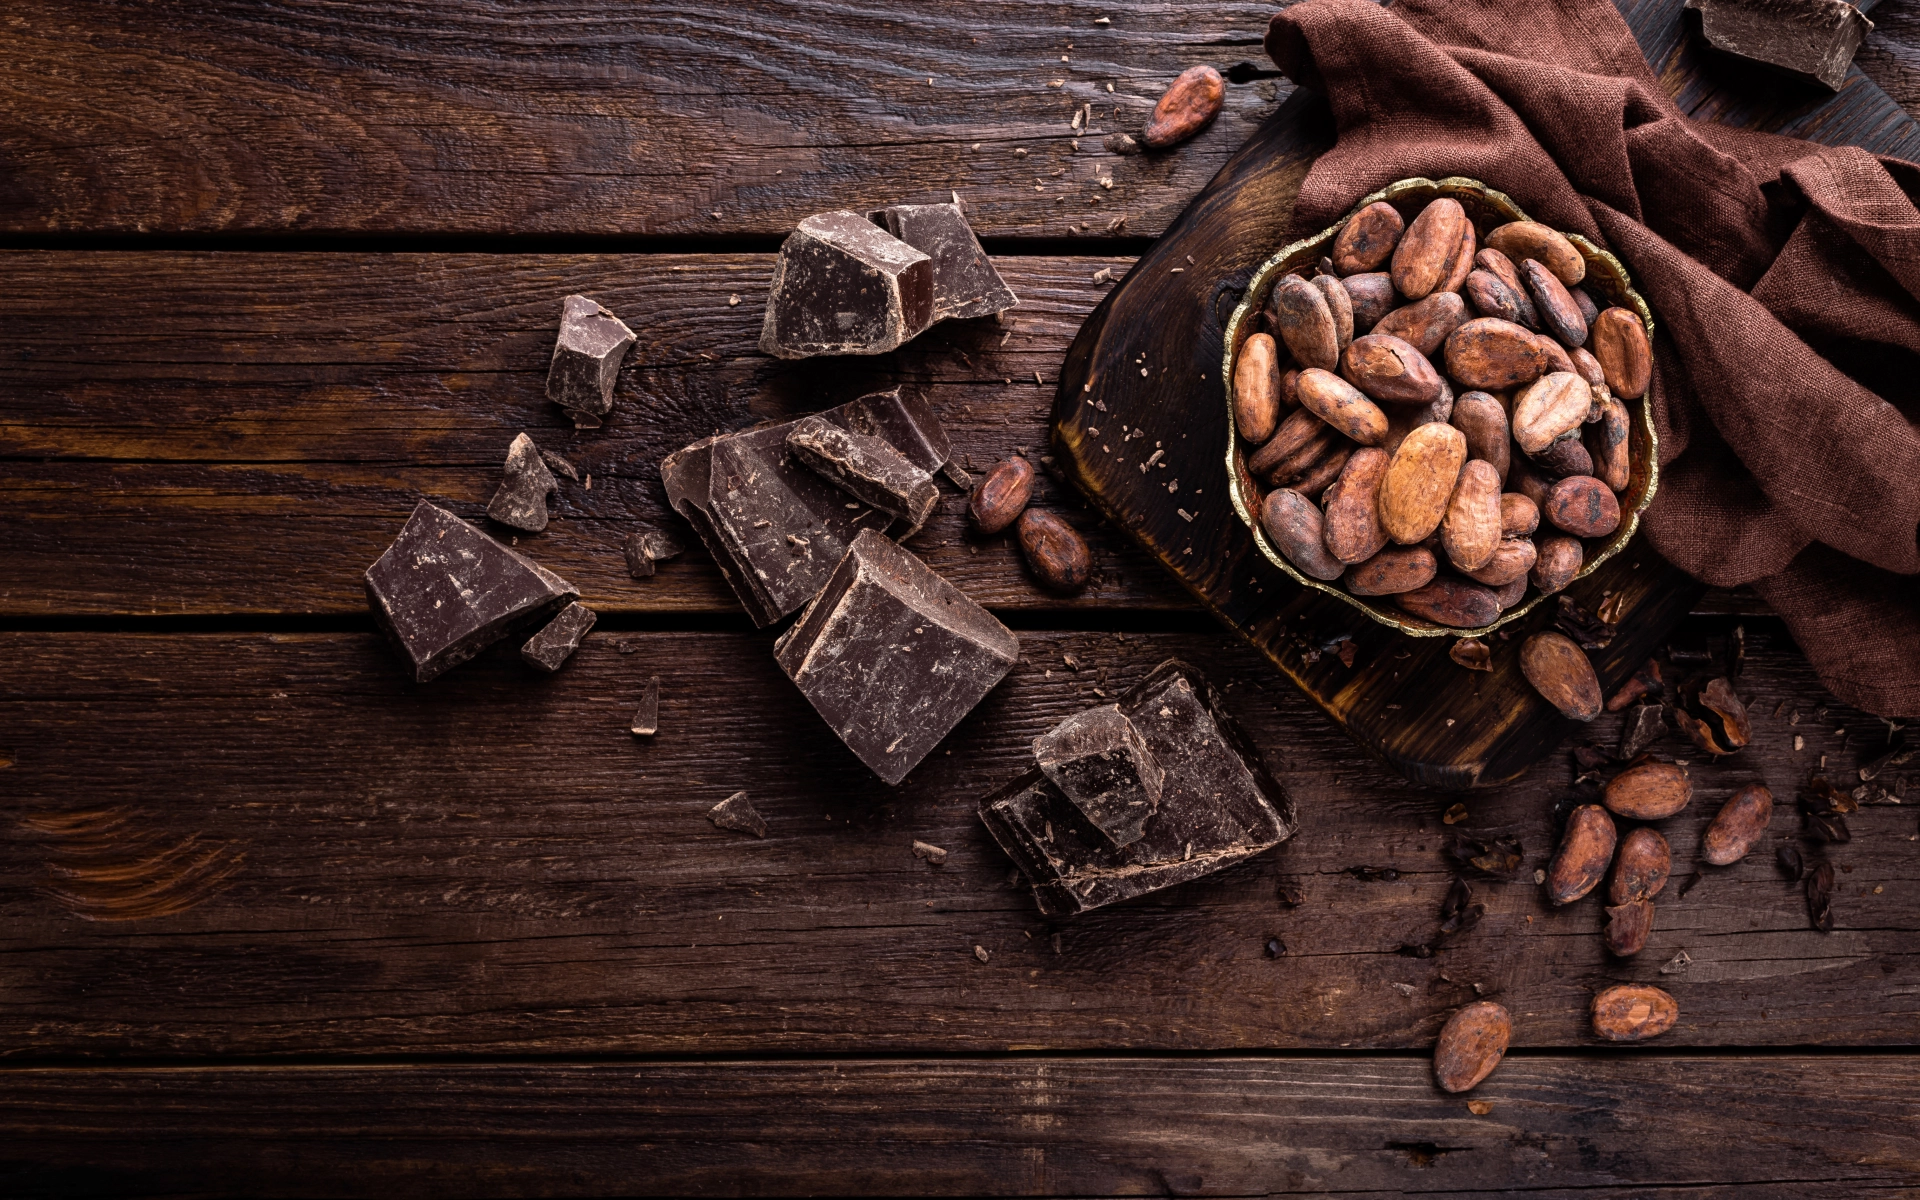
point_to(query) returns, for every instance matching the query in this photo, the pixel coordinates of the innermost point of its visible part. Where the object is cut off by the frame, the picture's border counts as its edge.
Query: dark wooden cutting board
(1154, 346)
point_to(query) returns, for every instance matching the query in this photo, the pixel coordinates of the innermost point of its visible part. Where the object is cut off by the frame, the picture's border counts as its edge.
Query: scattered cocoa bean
(1454, 603)
(1524, 240)
(1367, 239)
(1426, 250)
(1470, 532)
(1519, 516)
(1056, 554)
(1001, 495)
(1392, 571)
(1628, 926)
(1586, 847)
(1511, 559)
(1633, 1012)
(1187, 107)
(1256, 389)
(1482, 419)
(1565, 455)
(1342, 406)
(1373, 297)
(1558, 669)
(1425, 324)
(1389, 369)
(1548, 407)
(1620, 343)
(1353, 532)
(1502, 268)
(1738, 826)
(1419, 482)
(1652, 791)
(1641, 867)
(1297, 528)
(1340, 304)
(1493, 354)
(1559, 315)
(1471, 1045)
(1306, 323)
(1583, 506)
(1557, 563)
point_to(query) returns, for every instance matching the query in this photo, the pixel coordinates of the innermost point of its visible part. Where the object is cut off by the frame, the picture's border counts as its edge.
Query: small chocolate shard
(933, 854)
(957, 476)
(775, 529)
(965, 283)
(521, 499)
(586, 360)
(866, 468)
(843, 286)
(560, 466)
(1812, 40)
(646, 546)
(1218, 805)
(1645, 725)
(1099, 761)
(892, 656)
(555, 643)
(444, 591)
(737, 813)
(646, 718)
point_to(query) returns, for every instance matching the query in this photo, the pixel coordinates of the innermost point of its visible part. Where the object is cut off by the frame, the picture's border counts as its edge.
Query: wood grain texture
(1632, 1126)
(678, 119)
(272, 844)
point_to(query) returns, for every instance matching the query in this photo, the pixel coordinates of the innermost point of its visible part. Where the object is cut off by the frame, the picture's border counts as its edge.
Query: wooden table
(275, 922)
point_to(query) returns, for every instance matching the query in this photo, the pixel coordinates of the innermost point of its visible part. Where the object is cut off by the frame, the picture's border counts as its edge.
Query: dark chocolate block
(586, 359)
(555, 643)
(1812, 40)
(1218, 805)
(1099, 761)
(738, 814)
(444, 591)
(866, 468)
(892, 656)
(843, 286)
(646, 546)
(775, 529)
(965, 283)
(521, 499)
(646, 719)
(904, 422)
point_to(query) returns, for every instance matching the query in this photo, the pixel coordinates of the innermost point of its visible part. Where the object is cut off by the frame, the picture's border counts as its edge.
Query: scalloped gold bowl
(1606, 279)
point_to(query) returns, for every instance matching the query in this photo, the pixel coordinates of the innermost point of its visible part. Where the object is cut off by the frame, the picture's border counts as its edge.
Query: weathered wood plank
(1639, 1125)
(680, 119)
(316, 857)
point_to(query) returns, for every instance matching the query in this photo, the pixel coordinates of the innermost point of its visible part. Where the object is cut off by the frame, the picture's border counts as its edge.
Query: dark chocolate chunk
(964, 281)
(1812, 40)
(444, 591)
(892, 656)
(904, 422)
(646, 546)
(1645, 725)
(555, 643)
(646, 718)
(586, 359)
(1218, 805)
(521, 499)
(738, 814)
(775, 529)
(866, 468)
(1099, 761)
(560, 465)
(933, 854)
(843, 286)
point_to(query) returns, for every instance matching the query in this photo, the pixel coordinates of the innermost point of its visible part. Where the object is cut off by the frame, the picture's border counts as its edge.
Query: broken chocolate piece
(444, 591)
(1812, 40)
(554, 645)
(586, 359)
(738, 814)
(560, 465)
(775, 529)
(843, 286)
(521, 500)
(866, 468)
(964, 281)
(906, 423)
(646, 718)
(1099, 761)
(933, 854)
(892, 656)
(1645, 725)
(1218, 805)
(646, 546)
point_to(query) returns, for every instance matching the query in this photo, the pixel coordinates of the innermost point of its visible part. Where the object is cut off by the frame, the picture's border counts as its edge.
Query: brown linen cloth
(1771, 264)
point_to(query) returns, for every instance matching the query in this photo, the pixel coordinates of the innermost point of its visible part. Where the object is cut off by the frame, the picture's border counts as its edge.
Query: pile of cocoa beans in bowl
(1441, 417)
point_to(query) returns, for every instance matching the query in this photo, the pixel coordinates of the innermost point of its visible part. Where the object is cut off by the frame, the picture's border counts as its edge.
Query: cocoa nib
(1458, 912)
(1710, 713)
(1644, 726)
(1790, 863)
(1820, 897)
(1583, 627)
(1495, 858)
(1645, 682)
(1374, 874)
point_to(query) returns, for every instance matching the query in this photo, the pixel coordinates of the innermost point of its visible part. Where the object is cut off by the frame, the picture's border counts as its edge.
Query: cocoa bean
(1367, 239)
(1620, 343)
(1633, 1012)
(1392, 571)
(1256, 389)
(1511, 559)
(1389, 369)
(1510, 594)
(1557, 563)
(1607, 443)
(1628, 926)
(1491, 297)
(1641, 868)
(1353, 532)
(1557, 357)
(1056, 554)
(1425, 324)
(1482, 419)
(1565, 455)
(1652, 791)
(1454, 603)
(1519, 516)
(1306, 323)
(1426, 250)
(1342, 406)
(1583, 299)
(1586, 366)
(1522, 478)
(1419, 482)
(1739, 825)
(1524, 240)
(1340, 304)
(1187, 107)
(1403, 419)
(1372, 296)
(1493, 354)
(1461, 264)
(1558, 669)
(1559, 315)
(1295, 433)
(1549, 407)
(1586, 847)
(1297, 529)
(1289, 387)
(1502, 268)
(1471, 1045)
(1001, 495)
(1314, 478)
(1470, 532)
(1583, 506)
